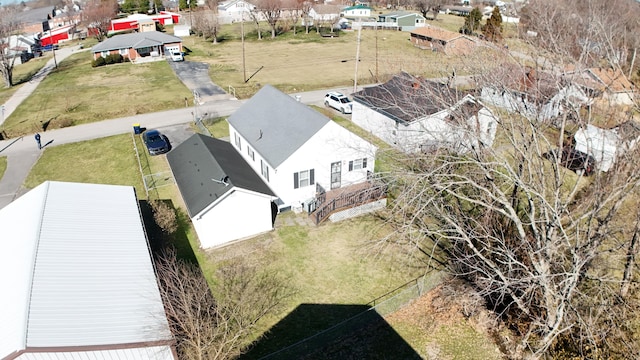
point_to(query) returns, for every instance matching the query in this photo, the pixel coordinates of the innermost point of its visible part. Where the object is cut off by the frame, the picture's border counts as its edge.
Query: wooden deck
(345, 198)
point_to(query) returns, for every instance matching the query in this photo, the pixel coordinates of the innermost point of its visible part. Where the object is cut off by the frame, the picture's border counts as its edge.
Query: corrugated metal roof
(89, 274)
(127, 41)
(199, 165)
(275, 124)
(148, 353)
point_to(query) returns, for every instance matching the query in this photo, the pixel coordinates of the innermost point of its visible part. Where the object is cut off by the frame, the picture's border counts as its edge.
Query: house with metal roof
(296, 150)
(225, 198)
(139, 46)
(77, 277)
(406, 20)
(606, 83)
(357, 11)
(414, 114)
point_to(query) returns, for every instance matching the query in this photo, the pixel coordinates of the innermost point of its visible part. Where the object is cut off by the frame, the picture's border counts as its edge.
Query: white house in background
(295, 149)
(324, 13)
(235, 11)
(607, 145)
(357, 11)
(410, 114)
(225, 198)
(77, 278)
(537, 96)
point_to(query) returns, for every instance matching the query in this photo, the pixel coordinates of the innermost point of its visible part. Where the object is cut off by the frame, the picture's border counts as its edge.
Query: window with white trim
(124, 52)
(104, 54)
(303, 178)
(251, 154)
(357, 164)
(265, 170)
(238, 141)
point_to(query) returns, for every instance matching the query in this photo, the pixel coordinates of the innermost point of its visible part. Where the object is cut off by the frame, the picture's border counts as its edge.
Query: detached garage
(77, 278)
(225, 198)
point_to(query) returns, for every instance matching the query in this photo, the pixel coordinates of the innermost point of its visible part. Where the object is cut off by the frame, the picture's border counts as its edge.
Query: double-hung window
(303, 178)
(357, 164)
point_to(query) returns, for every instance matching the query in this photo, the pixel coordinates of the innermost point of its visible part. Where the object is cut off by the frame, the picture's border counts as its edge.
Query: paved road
(22, 153)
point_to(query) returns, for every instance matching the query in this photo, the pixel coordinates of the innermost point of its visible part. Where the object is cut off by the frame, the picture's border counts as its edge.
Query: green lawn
(109, 160)
(21, 74)
(76, 93)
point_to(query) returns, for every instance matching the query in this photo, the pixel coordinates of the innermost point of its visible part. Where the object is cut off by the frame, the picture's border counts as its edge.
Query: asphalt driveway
(195, 76)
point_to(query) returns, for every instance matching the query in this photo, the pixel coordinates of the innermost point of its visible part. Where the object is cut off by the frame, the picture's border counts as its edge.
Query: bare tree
(8, 25)
(270, 10)
(292, 9)
(97, 16)
(205, 21)
(426, 6)
(305, 11)
(550, 250)
(208, 327)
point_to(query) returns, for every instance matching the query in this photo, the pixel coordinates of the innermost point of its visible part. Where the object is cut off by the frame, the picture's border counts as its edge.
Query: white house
(537, 96)
(414, 114)
(235, 11)
(225, 198)
(324, 13)
(295, 149)
(357, 11)
(607, 145)
(77, 278)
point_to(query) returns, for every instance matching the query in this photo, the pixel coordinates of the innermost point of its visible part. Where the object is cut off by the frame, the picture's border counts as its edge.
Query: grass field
(76, 93)
(21, 74)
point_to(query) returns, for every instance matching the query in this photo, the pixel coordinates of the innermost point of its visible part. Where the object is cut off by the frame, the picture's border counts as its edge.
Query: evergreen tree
(493, 28)
(472, 22)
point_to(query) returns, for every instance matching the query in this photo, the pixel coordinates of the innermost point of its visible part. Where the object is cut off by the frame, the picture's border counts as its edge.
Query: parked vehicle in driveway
(155, 142)
(176, 56)
(573, 159)
(338, 101)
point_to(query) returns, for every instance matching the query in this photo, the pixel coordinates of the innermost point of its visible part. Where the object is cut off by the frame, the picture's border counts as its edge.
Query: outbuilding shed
(77, 278)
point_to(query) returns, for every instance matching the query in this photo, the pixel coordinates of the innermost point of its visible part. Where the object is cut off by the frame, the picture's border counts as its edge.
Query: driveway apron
(195, 76)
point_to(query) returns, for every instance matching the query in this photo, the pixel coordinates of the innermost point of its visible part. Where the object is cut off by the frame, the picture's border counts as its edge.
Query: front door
(336, 174)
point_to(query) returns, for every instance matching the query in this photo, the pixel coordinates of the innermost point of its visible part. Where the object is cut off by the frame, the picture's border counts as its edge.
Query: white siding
(332, 143)
(433, 131)
(238, 214)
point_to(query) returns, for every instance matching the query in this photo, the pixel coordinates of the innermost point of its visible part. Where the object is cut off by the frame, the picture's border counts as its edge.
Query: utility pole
(355, 77)
(244, 67)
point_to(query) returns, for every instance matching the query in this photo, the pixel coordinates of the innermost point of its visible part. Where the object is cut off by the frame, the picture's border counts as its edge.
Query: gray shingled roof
(198, 160)
(406, 98)
(34, 16)
(275, 124)
(135, 40)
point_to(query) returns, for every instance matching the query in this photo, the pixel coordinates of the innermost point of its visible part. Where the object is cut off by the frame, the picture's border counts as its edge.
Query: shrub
(98, 62)
(164, 216)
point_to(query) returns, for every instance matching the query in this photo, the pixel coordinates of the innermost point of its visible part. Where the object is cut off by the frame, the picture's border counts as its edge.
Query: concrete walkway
(27, 89)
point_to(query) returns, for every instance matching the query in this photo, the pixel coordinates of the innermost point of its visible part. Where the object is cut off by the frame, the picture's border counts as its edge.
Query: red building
(61, 33)
(132, 22)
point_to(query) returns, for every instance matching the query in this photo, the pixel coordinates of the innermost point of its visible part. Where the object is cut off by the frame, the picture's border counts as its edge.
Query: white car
(176, 56)
(339, 102)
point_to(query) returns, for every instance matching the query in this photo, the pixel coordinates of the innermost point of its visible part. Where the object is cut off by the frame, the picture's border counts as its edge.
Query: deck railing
(347, 201)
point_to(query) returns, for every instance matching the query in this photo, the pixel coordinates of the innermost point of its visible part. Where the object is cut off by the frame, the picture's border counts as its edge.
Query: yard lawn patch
(21, 74)
(76, 93)
(3, 165)
(306, 62)
(109, 160)
(328, 264)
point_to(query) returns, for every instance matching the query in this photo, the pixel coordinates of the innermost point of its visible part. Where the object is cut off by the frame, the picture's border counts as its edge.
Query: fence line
(422, 284)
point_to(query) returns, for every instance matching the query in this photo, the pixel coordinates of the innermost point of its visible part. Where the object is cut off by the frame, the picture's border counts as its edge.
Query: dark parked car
(573, 159)
(155, 142)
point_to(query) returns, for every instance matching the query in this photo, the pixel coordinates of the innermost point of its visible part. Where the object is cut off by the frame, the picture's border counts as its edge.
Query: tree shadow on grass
(332, 331)
(159, 240)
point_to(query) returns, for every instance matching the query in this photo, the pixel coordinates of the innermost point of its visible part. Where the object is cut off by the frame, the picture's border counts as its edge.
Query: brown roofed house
(437, 39)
